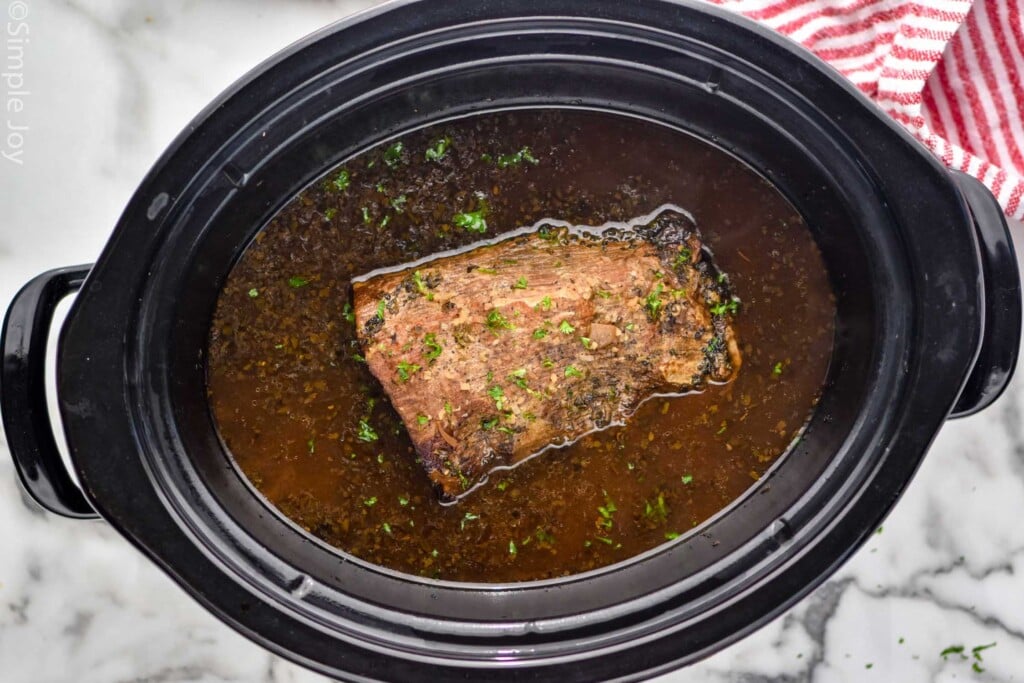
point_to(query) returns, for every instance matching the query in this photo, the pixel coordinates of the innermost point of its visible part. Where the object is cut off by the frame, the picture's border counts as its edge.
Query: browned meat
(497, 353)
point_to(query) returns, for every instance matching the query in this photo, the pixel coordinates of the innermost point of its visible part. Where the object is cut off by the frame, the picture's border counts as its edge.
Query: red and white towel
(950, 71)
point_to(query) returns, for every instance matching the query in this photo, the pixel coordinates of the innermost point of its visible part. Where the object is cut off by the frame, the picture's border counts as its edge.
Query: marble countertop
(109, 85)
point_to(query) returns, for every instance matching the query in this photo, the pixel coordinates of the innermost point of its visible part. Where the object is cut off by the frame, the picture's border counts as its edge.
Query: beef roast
(496, 353)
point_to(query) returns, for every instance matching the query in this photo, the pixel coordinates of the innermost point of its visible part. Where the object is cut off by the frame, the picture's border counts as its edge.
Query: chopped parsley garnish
(653, 302)
(406, 370)
(978, 649)
(777, 369)
(473, 221)
(433, 349)
(330, 213)
(434, 553)
(370, 502)
(605, 540)
(385, 221)
(630, 327)
(393, 154)
(348, 313)
(520, 283)
(498, 395)
(540, 333)
(566, 328)
(298, 281)
(421, 286)
(358, 357)
(544, 304)
(687, 478)
(311, 445)
(439, 149)
(487, 271)
(502, 485)
(448, 407)
(546, 233)
(714, 346)
(489, 424)
(518, 377)
(468, 517)
(386, 527)
(381, 306)
(953, 650)
(496, 321)
(658, 511)
(671, 535)
(398, 202)
(548, 363)
(512, 548)
(606, 511)
(572, 371)
(683, 257)
(587, 343)
(544, 536)
(366, 432)
(403, 500)
(506, 160)
(721, 308)
(724, 426)
(422, 419)
(506, 430)
(253, 293)
(342, 180)
(603, 294)
(975, 653)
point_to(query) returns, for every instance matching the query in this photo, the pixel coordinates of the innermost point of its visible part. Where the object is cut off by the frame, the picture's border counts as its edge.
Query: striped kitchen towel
(950, 71)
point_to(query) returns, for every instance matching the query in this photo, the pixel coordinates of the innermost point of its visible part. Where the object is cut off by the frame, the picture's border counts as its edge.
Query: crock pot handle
(1000, 341)
(23, 393)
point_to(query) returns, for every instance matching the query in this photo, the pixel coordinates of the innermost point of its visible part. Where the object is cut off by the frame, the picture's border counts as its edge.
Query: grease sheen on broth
(298, 410)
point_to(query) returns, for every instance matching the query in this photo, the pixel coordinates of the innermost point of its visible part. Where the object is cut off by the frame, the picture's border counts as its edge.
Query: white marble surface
(110, 85)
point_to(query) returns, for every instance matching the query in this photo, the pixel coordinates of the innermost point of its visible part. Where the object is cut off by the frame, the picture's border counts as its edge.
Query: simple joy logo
(16, 39)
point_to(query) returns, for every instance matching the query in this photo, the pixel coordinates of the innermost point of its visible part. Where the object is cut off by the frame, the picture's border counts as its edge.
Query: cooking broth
(312, 429)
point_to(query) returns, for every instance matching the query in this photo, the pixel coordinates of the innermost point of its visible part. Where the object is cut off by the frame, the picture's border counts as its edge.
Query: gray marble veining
(111, 83)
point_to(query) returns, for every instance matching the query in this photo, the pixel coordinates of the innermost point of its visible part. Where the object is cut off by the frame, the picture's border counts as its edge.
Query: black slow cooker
(928, 328)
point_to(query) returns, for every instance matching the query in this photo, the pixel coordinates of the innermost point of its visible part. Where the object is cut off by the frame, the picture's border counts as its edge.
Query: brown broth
(288, 392)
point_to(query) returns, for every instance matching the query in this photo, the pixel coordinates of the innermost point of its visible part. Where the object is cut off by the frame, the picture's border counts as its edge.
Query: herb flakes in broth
(312, 429)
